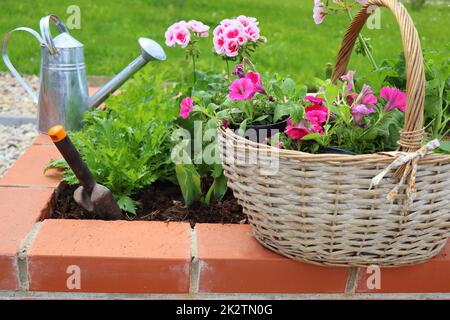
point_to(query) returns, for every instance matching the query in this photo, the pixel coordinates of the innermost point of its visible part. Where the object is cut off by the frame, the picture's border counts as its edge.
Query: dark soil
(160, 202)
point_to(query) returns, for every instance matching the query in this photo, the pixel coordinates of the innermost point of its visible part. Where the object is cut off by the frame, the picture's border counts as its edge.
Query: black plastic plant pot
(260, 133)
(335, 151)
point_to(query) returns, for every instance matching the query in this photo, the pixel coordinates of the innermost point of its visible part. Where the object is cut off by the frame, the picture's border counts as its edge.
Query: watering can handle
(46, 33)
(10, 65)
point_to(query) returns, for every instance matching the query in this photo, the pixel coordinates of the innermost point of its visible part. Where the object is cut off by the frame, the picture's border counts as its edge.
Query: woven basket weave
(319, 208)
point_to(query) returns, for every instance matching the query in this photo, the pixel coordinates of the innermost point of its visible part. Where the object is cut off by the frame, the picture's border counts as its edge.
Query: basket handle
(412, 134)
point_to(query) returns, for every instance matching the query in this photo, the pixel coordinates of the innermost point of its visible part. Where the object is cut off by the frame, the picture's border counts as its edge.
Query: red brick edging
(161, 258)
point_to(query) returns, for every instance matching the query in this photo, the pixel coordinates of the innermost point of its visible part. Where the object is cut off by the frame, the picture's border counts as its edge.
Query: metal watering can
(63, 92)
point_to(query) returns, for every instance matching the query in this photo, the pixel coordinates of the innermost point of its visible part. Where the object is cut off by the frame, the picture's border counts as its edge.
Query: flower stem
(363, 43)
(228, 69)
(193, 68)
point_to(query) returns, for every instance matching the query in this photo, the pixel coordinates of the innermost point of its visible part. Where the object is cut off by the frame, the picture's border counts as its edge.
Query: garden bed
(162, 201)
(166, 260)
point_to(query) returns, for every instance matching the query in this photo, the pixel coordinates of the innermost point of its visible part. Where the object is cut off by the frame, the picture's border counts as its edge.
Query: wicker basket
(319, 208)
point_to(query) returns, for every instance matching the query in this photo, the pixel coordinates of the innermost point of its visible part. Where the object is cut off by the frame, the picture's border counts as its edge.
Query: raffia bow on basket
(320, 208)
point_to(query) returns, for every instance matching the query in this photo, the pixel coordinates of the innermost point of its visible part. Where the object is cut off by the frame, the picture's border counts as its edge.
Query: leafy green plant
(342, 116)
(437, 73)
(127, 146)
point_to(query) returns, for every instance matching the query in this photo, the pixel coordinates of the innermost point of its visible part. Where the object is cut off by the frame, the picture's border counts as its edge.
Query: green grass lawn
(296, 46)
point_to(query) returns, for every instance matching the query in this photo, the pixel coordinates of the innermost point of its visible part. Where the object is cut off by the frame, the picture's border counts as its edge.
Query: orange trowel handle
(72, 156)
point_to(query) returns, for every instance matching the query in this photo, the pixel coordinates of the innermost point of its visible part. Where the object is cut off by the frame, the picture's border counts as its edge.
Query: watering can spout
(150, 50)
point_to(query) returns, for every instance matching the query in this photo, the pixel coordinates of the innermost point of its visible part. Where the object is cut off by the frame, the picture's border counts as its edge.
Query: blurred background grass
(296, 46)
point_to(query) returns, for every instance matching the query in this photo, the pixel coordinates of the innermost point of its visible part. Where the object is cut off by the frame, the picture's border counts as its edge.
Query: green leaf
(432, 105)
(312, 136)
(242, 128)
(444, 147)
(127, 204)
(209, 194)
(217, 170)
(331, 93)
(56, 163)
(281, 111)
(189, 181)
(260, 118)
(278, 92)
(288, 87)
(220, 186)
(297, 113)
(301, 94)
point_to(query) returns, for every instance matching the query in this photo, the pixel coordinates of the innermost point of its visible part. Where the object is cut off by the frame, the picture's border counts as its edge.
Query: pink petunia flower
(186, 107)
(359, 111)
(366, 97)
(241, 89)
(198, 28)
(314, 100)
(255, 77)
(296, 131)
(318, 11)
(349, 76)
(396, 99)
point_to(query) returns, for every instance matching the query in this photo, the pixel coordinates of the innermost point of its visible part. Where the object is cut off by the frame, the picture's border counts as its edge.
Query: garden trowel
(90, 195)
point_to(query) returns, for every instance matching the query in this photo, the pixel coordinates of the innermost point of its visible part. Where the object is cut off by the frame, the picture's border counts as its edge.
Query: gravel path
(15, 102)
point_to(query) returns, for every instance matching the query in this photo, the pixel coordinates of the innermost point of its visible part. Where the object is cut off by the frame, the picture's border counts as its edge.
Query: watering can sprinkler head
(150, 51)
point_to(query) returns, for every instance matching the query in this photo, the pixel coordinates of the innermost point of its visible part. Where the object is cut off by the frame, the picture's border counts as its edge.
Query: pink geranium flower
(252, 32)
(186, 107)
(219, 44)
(228, 22)
(178, 34)
(200, 29)
(296, 131)
(231, 48)
(231, 34)
(359, 111)
(396, 99)
(241, 89)
(318, 11)
(255, 77)
(247, 21)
